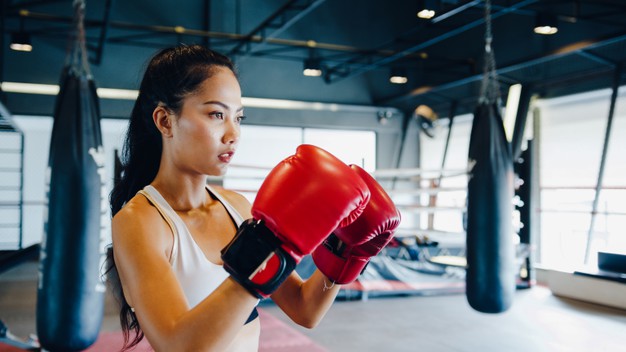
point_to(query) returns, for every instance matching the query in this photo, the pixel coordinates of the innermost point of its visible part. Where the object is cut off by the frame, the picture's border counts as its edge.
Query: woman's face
(206, 133)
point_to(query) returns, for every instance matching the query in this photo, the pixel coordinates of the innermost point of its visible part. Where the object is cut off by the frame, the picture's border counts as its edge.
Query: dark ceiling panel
(360, 42)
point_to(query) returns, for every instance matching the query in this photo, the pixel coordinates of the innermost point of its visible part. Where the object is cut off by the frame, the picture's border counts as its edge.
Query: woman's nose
(231, 133)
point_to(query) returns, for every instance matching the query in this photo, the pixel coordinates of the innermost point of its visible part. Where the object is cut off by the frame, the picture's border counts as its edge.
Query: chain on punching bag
(70, 295)
(490, 279)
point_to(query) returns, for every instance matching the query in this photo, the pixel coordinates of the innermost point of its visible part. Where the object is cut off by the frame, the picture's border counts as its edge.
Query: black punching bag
(70, 297)
(490, 280)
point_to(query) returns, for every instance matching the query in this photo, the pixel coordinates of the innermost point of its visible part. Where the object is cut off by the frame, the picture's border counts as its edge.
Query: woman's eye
(218, 115)
(240, 118)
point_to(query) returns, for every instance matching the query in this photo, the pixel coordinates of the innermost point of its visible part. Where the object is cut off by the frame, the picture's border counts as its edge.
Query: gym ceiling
(356, 43)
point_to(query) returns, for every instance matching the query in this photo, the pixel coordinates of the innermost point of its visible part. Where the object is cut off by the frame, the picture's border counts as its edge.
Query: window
(572, 137)
(262, 147)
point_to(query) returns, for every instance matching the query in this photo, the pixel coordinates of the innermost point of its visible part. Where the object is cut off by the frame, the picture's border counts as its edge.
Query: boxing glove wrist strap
(256, 260)
(334, 245)
(335, 260)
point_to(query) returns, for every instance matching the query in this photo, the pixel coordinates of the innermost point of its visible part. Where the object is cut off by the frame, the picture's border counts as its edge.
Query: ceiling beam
(339, 73)
(206, 22)
(138, 31)
(103, 33)
(579, 48)
(455, 11)
(279, 21)
(3, 15)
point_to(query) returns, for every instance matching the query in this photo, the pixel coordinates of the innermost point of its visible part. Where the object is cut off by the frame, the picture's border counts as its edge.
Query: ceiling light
(20, 41)
(426, 9)
(545, 24)
(426, 14)
(398, 76)
(312, 67)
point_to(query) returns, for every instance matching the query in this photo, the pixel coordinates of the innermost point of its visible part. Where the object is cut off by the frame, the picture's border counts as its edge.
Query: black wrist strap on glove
(334, 245)
(253, 247)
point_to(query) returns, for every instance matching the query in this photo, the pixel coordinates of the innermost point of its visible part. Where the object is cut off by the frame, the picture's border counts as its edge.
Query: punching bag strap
(490, 87)
(77, 58)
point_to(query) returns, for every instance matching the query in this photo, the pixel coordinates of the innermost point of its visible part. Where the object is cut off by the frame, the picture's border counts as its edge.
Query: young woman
(169, 226)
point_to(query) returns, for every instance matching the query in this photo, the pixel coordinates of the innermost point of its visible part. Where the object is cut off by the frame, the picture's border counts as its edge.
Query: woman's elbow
(309, 321)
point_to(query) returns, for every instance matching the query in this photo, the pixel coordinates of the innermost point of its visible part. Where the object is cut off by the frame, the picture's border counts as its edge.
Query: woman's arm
(142, 245)
(306, 302)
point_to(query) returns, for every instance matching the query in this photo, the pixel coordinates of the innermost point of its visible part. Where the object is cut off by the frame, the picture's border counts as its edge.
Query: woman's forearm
(212, 325)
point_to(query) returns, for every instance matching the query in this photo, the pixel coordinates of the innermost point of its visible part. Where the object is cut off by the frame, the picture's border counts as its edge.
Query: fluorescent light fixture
(128, 94)
(121, 94)
(30, 88)
(283, 104)
(20, 41)
(53, 89)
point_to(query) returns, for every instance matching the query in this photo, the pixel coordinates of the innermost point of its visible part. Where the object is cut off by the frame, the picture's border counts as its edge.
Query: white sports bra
(198, 276)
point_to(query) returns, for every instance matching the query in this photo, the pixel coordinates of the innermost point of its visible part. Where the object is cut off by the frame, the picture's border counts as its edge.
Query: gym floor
(538, 321)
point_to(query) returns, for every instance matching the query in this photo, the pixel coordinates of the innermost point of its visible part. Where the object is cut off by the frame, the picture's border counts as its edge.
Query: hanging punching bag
(490, 279)
(70, 295)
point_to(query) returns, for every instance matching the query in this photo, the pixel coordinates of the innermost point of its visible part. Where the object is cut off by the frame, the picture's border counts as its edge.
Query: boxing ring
(421, 259)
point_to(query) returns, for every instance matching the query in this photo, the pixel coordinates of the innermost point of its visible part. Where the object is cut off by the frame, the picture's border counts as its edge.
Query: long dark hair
(171, 75)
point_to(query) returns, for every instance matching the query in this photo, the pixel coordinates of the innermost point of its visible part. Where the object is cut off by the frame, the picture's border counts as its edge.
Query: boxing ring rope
(428, 209)
(407, 174)
(573, 211)
(552, 210)
(424, 191)
(17, 204)
(576, 188)
(378, 173)
(417, 172)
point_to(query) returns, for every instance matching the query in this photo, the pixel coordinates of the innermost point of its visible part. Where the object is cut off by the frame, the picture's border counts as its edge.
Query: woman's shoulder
(136, 214)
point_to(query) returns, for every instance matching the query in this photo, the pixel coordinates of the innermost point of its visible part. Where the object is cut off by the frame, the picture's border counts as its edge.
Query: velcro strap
(256, 259)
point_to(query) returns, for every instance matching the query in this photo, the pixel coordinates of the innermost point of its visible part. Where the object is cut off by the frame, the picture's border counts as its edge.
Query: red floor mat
(276, 336)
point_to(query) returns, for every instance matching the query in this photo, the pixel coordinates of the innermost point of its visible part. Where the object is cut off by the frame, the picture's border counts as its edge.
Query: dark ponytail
(172, 74)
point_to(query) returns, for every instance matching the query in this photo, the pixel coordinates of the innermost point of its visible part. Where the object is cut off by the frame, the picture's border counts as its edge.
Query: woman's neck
(183, 193)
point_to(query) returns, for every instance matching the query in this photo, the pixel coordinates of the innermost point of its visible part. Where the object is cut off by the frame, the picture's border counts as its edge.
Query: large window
(262, 147)
(572, 137)
(444, 199)
(572, 131)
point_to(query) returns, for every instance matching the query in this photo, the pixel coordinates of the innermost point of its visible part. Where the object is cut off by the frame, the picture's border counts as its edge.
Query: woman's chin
(218, 172)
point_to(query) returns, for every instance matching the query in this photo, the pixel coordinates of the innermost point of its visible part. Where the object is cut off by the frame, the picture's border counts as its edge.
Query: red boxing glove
(345, 253)
(299, 204)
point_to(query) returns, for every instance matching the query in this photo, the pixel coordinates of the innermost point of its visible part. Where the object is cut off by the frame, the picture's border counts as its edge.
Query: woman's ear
(162, 118)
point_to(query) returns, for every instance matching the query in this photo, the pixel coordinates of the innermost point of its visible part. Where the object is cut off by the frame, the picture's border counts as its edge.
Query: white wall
(37, 131)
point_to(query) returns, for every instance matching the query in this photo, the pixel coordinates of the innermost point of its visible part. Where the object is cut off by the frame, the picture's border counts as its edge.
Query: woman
(168, 227)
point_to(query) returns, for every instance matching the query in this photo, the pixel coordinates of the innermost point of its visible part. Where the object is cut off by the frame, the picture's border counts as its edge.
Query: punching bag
(70, 295)
(490, 279)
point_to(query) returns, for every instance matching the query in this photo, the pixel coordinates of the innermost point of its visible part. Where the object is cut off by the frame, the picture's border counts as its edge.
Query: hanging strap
(490, 87)
(77, 57)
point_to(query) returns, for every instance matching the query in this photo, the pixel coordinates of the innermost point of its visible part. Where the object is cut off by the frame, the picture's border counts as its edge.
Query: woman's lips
(226, 157)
